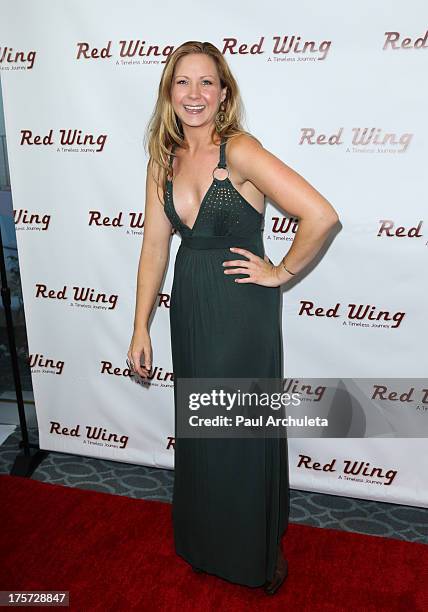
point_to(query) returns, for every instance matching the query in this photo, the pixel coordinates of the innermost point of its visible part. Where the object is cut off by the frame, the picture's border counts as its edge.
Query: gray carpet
(319, 510)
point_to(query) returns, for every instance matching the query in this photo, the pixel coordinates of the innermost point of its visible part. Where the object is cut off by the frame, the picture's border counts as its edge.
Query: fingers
(258, 271)
(248, 279)
(251, 256)
(241, 265)
(148, 360)
(236, 262)
(143, 369)
(237, 271)
(136, 357)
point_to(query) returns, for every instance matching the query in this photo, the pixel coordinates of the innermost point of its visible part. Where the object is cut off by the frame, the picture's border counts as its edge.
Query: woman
(207, 178)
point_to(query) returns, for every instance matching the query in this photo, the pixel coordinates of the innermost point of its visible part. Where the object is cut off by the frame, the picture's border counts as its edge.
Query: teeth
(193, 107)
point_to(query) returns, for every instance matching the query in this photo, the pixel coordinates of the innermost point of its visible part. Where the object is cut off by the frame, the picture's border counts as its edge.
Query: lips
(194, 109)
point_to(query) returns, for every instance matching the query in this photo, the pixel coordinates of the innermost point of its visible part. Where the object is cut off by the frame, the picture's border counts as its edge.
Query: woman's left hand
(260, 271)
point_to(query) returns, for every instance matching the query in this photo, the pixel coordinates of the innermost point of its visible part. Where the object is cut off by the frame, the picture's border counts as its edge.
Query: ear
(223, 94)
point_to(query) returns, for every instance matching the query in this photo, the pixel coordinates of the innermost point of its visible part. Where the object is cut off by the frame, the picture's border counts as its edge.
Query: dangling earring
(220, 118)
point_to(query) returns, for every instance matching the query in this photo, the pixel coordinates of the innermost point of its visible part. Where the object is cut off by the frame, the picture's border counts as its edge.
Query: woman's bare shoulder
(239, 148)
(243, 144)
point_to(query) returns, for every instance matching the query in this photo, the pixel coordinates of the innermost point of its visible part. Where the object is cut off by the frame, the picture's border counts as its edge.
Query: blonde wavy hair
(164, 128)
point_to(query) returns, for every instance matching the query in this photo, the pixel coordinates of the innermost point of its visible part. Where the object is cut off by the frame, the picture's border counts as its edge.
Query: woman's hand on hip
(260, 270)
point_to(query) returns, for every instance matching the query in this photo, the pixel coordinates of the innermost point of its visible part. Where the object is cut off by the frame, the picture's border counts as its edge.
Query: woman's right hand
(140, 350)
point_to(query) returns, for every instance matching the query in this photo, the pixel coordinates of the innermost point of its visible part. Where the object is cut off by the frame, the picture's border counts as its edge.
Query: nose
(194, 90)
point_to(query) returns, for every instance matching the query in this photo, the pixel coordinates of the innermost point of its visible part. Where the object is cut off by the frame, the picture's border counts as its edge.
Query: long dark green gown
(230, 504)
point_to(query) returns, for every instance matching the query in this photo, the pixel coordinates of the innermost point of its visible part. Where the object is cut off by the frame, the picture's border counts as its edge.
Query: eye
(204, 81)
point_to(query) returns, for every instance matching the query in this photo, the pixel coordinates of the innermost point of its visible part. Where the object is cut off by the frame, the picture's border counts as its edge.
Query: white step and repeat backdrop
(338, 92)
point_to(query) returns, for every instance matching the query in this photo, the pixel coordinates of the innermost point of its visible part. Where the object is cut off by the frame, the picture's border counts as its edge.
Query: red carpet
(116, 553)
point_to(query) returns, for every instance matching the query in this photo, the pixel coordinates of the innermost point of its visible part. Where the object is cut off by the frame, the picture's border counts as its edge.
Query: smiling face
(196, 92)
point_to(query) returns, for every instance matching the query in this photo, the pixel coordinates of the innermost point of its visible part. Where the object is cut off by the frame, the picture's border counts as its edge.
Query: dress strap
(222, 160)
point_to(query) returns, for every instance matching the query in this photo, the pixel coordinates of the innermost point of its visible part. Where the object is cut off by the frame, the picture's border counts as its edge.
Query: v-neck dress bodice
(230, 502)
(223, 211)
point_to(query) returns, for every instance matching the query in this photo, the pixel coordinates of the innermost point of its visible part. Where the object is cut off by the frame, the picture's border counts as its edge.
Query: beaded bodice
(222, 212)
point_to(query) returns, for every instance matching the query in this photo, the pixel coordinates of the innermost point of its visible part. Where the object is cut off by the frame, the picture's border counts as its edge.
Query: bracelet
(293, 273)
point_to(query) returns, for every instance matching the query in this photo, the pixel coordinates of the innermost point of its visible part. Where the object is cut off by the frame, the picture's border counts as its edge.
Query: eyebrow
(205, 75)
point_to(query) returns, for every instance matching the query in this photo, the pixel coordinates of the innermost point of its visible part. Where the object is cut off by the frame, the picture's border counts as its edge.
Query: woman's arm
(292, 193)
(151, 270)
